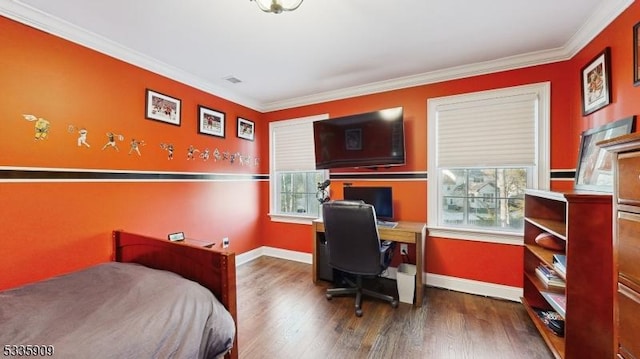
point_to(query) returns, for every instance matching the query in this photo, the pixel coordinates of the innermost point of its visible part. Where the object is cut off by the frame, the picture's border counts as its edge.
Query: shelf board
(540, 286)
(554, 342)
(545, 255)
(557, 228)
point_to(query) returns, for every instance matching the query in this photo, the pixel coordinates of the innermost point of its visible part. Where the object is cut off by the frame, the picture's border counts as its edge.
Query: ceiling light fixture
(278, 6)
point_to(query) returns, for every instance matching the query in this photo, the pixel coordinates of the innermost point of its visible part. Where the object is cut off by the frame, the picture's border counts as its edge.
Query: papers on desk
(386, 224)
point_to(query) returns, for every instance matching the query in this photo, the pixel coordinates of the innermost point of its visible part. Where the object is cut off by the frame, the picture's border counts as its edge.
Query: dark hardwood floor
(282, 314)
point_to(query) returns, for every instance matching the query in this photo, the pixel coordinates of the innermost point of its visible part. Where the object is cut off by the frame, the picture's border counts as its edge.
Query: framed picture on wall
(246, 129)
(353, 139)
(210, 121)
(594, 170)
(596, 83)
(636, 50)
(161, 107)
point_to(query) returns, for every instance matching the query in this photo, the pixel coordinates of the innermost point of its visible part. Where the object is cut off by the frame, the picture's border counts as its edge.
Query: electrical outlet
(404, 248)
(225, 242)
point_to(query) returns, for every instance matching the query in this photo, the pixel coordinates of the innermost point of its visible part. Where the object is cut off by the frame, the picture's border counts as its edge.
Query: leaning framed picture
(210, 121)
(596, 83)
(161, 107)
(636, 51)
(594, 170)
(246, 129)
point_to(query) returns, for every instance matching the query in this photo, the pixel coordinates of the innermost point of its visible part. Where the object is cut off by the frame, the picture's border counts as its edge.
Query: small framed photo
(636, 51)
(176, 237)
(246, 129)
(595, 165)
(161, 107)
(353, 139)
(596, 83)
(210, 121)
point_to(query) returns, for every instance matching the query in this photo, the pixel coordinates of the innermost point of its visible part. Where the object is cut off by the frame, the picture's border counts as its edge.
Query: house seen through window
(483, 197)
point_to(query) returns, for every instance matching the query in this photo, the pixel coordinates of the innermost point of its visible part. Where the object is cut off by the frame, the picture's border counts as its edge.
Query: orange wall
(53, 227)
(494, 263)
(48, 228)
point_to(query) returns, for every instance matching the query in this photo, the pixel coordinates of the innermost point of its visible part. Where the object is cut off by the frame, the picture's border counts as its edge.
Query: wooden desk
(404, 232)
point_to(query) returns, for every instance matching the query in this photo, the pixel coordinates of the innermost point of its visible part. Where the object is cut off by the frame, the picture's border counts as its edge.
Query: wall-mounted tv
(374, 139)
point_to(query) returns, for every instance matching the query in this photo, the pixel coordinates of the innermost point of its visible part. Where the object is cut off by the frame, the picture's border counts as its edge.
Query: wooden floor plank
(282, 314)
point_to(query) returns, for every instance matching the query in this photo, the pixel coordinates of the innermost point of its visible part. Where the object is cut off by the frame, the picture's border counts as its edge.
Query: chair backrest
(352, 237)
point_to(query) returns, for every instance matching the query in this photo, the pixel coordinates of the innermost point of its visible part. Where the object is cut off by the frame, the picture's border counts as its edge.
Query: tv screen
(381, 198)
(364, 140)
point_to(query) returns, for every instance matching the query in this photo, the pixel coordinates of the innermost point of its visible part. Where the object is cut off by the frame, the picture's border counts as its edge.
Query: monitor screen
(379, 197)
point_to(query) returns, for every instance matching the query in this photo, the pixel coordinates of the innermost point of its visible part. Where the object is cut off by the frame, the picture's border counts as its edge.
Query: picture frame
(176, 237)
(596, 83)
(211, 122)
(246, 129)
(594, 169)
(163, 108)
(353, 139)
(636, 51)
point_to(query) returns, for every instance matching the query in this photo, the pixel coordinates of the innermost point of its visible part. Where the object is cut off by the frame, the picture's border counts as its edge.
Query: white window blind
(488, 133)
(292, 144)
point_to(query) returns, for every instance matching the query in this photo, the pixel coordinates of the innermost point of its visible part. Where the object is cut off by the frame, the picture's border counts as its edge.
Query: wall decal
(205, 154)
(169, 148)
(134, 146)
(111, 141)
(41, 126)
(82, 135)
(191, 152)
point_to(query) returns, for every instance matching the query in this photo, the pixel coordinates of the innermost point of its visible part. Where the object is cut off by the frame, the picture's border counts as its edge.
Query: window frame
(540, 178)
(274, 190)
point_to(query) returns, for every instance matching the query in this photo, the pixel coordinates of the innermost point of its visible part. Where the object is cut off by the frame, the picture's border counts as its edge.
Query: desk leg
(314, 260)
(419, 267)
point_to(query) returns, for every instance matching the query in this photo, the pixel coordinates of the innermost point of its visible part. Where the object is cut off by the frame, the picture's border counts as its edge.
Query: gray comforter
(117, 310)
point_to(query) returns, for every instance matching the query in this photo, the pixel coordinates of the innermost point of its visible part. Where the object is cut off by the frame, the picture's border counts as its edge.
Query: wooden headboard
(213, 269)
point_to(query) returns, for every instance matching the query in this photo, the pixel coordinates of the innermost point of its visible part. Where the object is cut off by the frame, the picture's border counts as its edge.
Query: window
(483, 198)
(297, 192)
(293, 178)
(485, 149)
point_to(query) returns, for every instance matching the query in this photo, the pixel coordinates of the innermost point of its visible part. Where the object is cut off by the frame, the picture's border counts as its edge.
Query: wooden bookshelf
(583, 221)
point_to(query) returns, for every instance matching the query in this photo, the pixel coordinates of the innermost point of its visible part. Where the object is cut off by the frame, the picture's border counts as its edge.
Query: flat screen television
(381, 198)
(373, 139)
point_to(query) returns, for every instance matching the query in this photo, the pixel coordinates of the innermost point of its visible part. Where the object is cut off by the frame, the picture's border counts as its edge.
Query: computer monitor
(380, 198)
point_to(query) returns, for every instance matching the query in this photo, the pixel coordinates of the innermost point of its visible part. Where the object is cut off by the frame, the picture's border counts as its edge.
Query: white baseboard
(273, 252)
(474, 287)
(434, 280)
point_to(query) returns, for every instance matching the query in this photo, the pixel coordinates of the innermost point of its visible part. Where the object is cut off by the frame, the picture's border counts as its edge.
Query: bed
(138, 306)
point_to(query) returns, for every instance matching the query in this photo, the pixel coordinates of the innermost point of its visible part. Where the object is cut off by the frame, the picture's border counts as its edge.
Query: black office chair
(351, 232)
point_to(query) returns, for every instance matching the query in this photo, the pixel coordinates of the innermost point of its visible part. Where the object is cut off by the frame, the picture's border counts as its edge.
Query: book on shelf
(560, 264)
(552, 320)
(558, 301)
(549, 277)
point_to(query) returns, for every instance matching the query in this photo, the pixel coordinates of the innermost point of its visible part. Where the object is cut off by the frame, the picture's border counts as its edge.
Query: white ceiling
(326, 49)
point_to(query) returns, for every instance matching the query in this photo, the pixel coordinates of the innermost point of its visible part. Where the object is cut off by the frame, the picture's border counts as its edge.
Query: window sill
(290, 218)
(477, 235)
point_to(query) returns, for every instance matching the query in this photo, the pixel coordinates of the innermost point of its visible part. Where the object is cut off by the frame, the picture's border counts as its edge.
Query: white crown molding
(30, 16)
(35, 18)
(601, 18)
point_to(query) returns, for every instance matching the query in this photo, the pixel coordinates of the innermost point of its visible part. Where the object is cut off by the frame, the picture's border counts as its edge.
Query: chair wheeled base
(358, 290)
